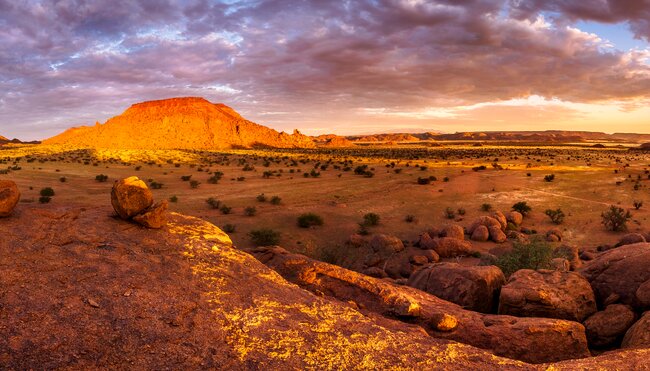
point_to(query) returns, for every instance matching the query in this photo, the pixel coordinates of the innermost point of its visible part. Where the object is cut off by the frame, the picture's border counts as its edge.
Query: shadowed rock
(130, 197)
(638, 336)
(607, 327)
(9, 197)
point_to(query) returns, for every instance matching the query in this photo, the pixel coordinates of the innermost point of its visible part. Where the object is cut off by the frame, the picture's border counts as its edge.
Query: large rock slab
(638, 336)
(9, 197)
(472, 287)
(621, 273)
(547, 293)
(529, 339)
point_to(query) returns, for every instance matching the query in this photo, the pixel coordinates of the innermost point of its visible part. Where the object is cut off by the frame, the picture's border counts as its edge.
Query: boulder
(9, 197)
(398, 266)
(154, 217)
(419, 260)
(355, 240)
(638, 336)
(453, 231)
(484, 220)
(515, 218)
(631, 238)
(472, 287)
(607, 327)
(547, 293)
(623, 272)
(130, 197)
(518, 237)
(554, 235)
(497, 235)
(448, 247)
(426, 242)
(386, 245)
(481, 234)
(375, 272)
(503, 221)
(432, 255)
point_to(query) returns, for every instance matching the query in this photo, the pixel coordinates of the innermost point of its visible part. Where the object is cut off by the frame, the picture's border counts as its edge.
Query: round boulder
(638, 336)
(547, 293)
(630, 239)
(385, 244)
(608, 327)
(130, 197)
(481, 234)
(503, 221)
(448, 247)
(454, 231)
(154, 217)
(9, 197)
(497, 235)
(515, 218)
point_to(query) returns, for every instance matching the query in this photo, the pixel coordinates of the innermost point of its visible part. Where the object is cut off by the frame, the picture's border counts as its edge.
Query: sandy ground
(585, 185)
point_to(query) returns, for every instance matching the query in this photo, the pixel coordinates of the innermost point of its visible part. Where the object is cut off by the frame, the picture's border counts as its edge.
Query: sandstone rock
(453, 231)
(621, 271)
(638, 336)
(375, 272)
(472, 287)
(443, 322)
(484, 220)
(418, 259)
(497, 235)
(398, 266)
(448, 247)
(9, 197)
(426, 242)
(554, 235)
(155, 217)
(643, 294)
(518, 237)
(385, 244)
(431, 255)
(481, 234)
(608, 327)
(587, 255)
(503, 221)
(356, 240)
(130, 197)
(515, 217)
(631, 238)
(546, 293)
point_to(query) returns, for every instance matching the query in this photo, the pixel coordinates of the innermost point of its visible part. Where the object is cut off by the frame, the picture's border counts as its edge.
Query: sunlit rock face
(179, 123)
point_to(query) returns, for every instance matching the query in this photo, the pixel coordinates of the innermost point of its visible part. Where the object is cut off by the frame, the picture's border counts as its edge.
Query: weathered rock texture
(472, 287)
(638, 336)
(130, 197)
(547, 293)
(622, 273)
(9, 197)
(85, 291)
(190, 123)
(607, 327)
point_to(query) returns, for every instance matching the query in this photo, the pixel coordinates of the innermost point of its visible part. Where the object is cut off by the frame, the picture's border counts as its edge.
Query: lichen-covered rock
(472, 287)
(607, 327)
(155, 217)
(130, 197)
(9, 197)
(547, 293)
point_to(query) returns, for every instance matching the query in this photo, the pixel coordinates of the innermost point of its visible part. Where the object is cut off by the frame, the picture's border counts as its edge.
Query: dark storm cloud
(70, 62)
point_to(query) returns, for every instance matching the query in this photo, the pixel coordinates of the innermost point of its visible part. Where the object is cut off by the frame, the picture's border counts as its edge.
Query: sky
(339, 66)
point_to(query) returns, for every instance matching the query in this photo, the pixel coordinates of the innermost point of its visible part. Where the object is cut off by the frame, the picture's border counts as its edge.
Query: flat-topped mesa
(179, 123)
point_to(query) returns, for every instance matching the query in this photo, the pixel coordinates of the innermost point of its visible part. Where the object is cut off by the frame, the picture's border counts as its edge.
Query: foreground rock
(130, 197)
(638, 336)
(83, 292)
(9, 197)
(607, 327)
(474, 288)
(622, 275)
(530, 339)
(547, 293)
(155, 217)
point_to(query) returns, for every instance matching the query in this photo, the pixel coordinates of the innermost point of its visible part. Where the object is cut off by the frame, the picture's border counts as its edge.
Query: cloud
(72, 61)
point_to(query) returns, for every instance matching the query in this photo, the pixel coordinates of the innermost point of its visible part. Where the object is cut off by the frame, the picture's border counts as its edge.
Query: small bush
(276, 200)
(101, 178)
(371, 219)
(556, 216)
(309, 220)
(173, 199)
(549, 178)
(186, 178)
(450, 213)
(637, 204)
(155, 185)
(536, 254)
(194, 184)
(486, 207)
(264, 237)
(229, 228)
(225, 209)
(63, 179)
(410, 218)
(47, 192)
(261, 197)
(250, 211)
(522, 207)
(44, 199)
(461, 211)
(213, 202)
(615, 219)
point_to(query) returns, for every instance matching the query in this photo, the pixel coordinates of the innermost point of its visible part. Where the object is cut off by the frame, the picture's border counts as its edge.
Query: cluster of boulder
(132, 200)
(9, 197)
(495, 226)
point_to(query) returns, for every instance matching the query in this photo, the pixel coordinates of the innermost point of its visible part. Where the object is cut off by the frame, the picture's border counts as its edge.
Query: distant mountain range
(550, 136)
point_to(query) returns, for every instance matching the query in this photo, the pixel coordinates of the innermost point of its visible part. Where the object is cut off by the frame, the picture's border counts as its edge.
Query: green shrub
(450, 213)
(186, 178)
(615, 219)
(486, 207)
(556, 216)
(250, 211)
(371, 219)
(637, 204)
(173, 199)
(264, 237)
(64, 179)
(549, 178)
(213, 202)
(536, 254)
(101, 178)
(47, 192)
(410, 218)
(261, 197)
(309, 220)
(522, 207)
(225, 209)
(194, 184)
(276, 200)
(229, 228)
(44, 199)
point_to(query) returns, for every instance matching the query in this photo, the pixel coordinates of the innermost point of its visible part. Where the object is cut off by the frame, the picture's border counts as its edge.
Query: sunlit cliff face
(338, 66)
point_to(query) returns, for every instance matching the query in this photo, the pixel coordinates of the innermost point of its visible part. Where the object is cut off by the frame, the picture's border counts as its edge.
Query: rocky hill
(86, 289)
(179, 123)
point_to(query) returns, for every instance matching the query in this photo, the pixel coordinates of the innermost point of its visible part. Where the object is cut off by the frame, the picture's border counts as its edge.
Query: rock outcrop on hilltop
(80, 289)
(179, 123)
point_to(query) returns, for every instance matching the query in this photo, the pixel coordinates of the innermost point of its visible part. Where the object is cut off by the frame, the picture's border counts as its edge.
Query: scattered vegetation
(309, 220)
(616, 218)
(522, 207)
(264, 237)
(537, 254)
(556, 216)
